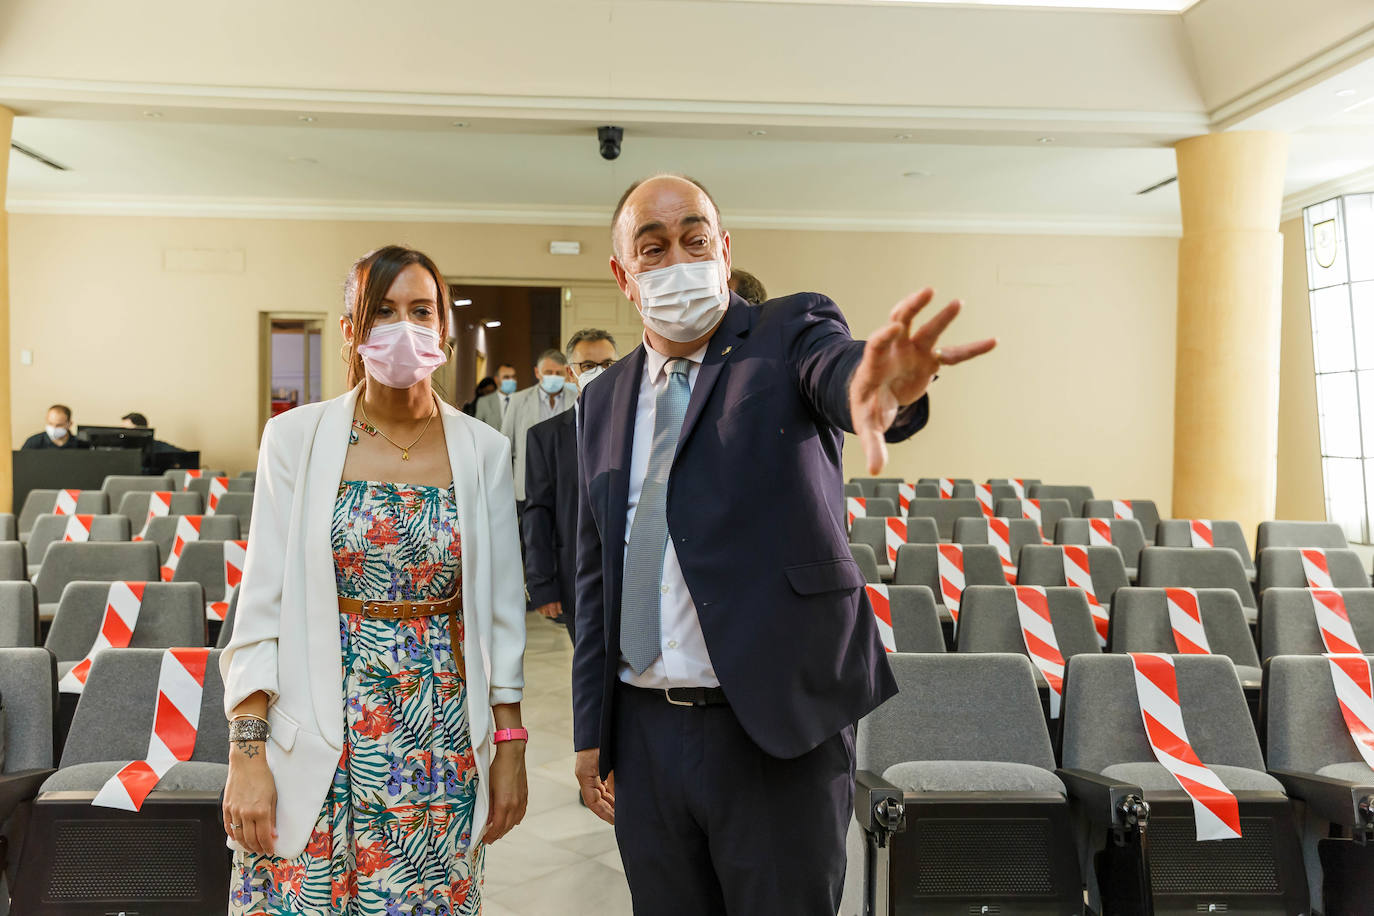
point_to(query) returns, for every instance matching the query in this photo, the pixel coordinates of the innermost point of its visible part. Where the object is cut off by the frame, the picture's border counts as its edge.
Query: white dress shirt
(685, 661)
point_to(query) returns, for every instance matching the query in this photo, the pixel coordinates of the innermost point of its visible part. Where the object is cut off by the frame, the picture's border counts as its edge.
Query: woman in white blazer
(375, 672)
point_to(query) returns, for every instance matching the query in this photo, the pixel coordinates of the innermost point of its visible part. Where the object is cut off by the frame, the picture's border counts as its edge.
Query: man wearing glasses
(549, 525)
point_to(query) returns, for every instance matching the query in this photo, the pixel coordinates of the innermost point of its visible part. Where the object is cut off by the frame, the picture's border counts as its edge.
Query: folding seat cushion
(1142, 621)
(136, 504)
(1289, 622)
(920, 564)
(66, 502)
(990, 622)
(886, 535)
(1197, 567)
(164, 531)
(911, 611)
(1018, 533)
(239, 505)
(9, 527)
(1311, 567)
(169, 614)
(1280, 533)
(48, 529)
(18, 615)
(105, 562)
(944, 511)
(13, 567)
(1125, 534)
(1142, 510)
(1044, 564)
(1044, 512)
(863, 555)
(1075, 494)
(1185, 532)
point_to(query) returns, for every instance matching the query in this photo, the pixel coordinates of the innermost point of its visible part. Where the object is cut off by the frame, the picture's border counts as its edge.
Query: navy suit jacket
(756, 519)
(550, 520)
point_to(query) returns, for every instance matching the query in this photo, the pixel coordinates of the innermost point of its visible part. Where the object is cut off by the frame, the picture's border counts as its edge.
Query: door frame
(265, 320)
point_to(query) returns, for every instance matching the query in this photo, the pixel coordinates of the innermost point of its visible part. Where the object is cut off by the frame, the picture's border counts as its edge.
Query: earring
(343, 351)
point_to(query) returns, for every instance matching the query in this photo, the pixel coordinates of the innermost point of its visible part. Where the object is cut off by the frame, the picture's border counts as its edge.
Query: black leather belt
(688, 696)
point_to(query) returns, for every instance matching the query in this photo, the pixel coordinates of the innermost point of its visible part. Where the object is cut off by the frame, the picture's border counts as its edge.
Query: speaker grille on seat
(1179, 864)
(125, 860)
(970, 858)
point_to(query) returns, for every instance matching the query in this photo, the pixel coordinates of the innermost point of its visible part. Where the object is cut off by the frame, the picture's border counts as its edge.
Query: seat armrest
(1350, 804)
(19, 787)
(1103, 799)
(878, 804)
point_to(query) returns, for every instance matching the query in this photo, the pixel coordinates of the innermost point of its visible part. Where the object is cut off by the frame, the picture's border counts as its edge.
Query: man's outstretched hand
(897, 366)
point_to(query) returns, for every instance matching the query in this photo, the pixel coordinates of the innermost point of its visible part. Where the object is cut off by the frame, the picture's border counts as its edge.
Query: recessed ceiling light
(902, 137)
(915, 173)
(1345, 93)
(492, 324)
(461, 302)
(758, 133)
(1045, 140)
(152, 114)
(306, 119)
(457, 123)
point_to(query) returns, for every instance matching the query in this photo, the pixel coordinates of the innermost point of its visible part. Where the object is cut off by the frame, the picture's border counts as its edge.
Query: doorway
(291, 362)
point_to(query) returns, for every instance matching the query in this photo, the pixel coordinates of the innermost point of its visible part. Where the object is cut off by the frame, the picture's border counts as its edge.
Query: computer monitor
(162, 462)
(115, 436)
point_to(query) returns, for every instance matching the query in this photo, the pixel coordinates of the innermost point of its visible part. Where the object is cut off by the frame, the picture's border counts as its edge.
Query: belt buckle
(668, 695)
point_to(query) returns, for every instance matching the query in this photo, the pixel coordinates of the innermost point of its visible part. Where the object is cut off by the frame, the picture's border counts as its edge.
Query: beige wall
(1080, 390)
(1300, 493)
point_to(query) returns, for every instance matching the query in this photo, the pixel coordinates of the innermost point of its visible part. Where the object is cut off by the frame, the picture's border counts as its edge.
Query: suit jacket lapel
(624, 403)
(739, 318)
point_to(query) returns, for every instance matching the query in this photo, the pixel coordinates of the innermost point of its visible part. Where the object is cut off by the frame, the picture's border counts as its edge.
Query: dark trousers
(709, 824)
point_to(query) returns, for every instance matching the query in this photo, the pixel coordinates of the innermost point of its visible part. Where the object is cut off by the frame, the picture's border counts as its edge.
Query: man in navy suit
(549, 524)
(725, 647)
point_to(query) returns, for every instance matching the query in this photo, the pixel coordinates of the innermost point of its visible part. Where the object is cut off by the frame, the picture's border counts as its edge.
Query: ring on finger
(939, 355)
(237, 826)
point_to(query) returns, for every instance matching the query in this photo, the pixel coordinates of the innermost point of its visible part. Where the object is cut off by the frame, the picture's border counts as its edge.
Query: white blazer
(286, 630)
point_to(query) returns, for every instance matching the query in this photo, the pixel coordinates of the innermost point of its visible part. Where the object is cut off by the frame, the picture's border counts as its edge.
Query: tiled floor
(562, 859)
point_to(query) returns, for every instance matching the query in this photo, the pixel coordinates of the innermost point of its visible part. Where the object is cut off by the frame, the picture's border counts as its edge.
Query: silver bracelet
(248, 730)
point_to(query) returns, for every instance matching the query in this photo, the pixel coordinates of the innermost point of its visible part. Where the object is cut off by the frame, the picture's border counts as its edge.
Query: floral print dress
(394, 835)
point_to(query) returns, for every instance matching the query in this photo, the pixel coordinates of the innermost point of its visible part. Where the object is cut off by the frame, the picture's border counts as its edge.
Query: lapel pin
(726, 351)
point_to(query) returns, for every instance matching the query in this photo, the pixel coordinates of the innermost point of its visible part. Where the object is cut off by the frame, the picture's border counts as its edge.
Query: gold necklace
(405, 449)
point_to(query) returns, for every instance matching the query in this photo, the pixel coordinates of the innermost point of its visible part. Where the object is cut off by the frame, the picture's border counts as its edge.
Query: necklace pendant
(405, 455)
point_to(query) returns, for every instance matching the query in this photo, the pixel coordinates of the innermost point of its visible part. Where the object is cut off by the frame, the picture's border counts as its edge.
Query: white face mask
(586, 377)
(684, 301)
(552, 384)
(56, 433)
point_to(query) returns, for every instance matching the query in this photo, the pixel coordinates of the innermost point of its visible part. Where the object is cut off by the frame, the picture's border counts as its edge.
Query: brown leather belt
(451, 606)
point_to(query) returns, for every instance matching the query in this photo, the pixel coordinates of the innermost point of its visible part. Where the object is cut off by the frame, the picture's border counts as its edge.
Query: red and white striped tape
(122, 604)
(1078, 574)
(895, 532)
(1030, 508)
(1333, 622)
(176, 720)
(1200, 532)
(190, 476)
(999, 536)
(906, 492)
(950, 564)
(1350, 677)
(218, 487)
(983, 492)
(1121, 508)
(946, 487)
(159, 504)
(882, 610)
(188, 529)
(65, 503)
(1099, 532)
(1186, 619)
(1037, 630)
(1216, 812)
(1315, 569)
(855, 507)
(235, 554)
(1019, 485)
(78, 529)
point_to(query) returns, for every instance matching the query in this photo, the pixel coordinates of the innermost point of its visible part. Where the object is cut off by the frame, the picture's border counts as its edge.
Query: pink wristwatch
(510, 734)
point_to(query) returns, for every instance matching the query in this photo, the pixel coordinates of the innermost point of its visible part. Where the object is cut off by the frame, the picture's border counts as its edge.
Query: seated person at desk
(139, 421)
(58, 432)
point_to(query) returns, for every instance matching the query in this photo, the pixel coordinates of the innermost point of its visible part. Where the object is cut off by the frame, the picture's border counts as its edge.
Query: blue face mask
(508, 386)
(552, 384)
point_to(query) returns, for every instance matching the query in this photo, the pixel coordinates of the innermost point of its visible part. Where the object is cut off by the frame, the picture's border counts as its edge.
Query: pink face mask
(401, 353)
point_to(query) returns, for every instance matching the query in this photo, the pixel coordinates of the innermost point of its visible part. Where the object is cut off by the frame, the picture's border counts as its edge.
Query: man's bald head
(663, 184)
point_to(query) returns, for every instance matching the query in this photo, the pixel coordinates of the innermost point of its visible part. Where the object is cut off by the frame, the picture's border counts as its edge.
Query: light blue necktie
(640, 597)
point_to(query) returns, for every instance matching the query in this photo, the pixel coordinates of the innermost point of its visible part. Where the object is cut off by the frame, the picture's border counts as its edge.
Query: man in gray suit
(539, 402)
(491, 408)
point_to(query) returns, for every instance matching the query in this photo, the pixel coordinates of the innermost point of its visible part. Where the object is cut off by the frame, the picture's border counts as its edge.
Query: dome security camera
(609, 138)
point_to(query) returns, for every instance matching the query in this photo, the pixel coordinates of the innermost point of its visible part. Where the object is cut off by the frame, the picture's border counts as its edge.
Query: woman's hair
(366, 287)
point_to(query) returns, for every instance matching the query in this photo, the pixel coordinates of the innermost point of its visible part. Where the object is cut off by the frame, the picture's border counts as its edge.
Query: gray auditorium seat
(135, 561)
(1020, 531)
(13, 567)
(1142, 510)
(1107, 761)
(69, 849)
(918, 564)
(970, 491)
(935, 481)
(117, 485)
(873, 532)
(249, 474)
(1127, 537)
(944, 511)
(203, 562)
(1281, 533)
(915, 621)
(1026, 482)
(42, 502)
(1043, 564)
(18, 615)
(28, 687)
(1288, 621)
(989, 622)
(1177, 532)
(226, 630)
(1140, 623)
(1075, 494)
(869, 484)
(864, 556)
(172, 614)
(892, 491)
(201, 486)
(853, 489)
(1051, 511)
(9, 527)
(962, 754)
(873, 507)
(1311, 752)
(239, 505)
(50, 529)
(162, 531)
(1197, 567)
(134, 506)
(176, 478)
(1281, 567)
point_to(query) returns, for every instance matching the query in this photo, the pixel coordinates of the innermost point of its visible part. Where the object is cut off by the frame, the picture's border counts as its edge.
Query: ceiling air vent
(1157, 185)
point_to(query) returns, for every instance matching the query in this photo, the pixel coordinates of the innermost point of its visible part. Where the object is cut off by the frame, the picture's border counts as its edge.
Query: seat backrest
(162, 531)
(1020, 531)
(919, 564)
(251, 475)
(135, 561)
(42, 502)
(1127, 536)
(116, 485)
(1140, 623)
(1075, 494)
(1280, 533)
(171, 614)
(892, 491)
(1177, 532)
(1281, 567)
(1195, 567)
(970, 491)
(944, 511)
(935, 481)
(28, 684)
(853, 489)
(13, 566)
(863, 555)
(1051, 511)
(1026, 482)
(869, 484)
(9, 527)
(957, 707)
(1103, 724)
(239, 505)
(915, 622)
(989, 622)
(873, 532)
(242, 484)
(50, 528)
(203, 562)
(226, 629)
(114, 718)
(134, 506)
(1288, 621)
(176, 477)
(1142, 510)
(1304, 727)
(1043, 564)
(18, 615)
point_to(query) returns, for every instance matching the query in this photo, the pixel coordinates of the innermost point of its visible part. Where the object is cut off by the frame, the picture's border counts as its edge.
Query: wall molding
(1354, 183)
